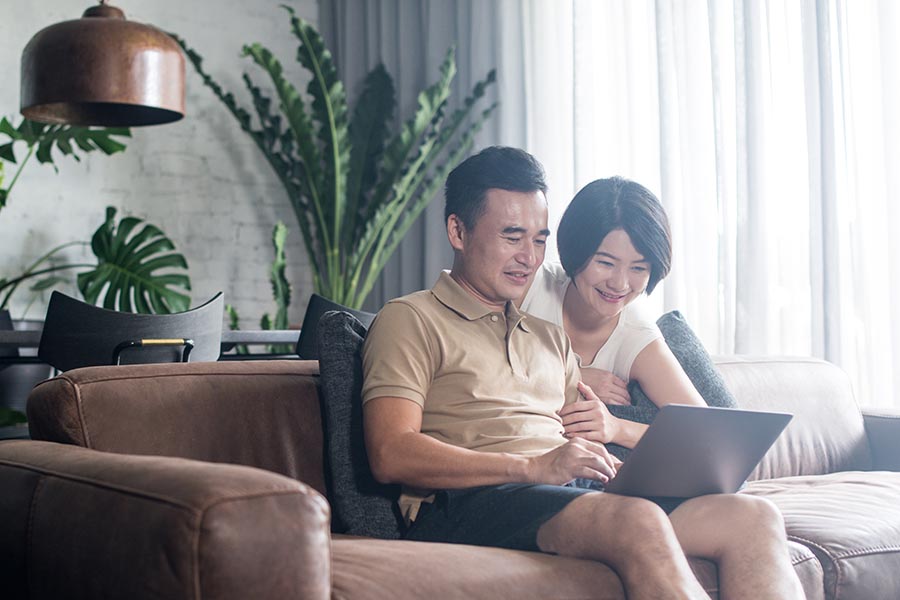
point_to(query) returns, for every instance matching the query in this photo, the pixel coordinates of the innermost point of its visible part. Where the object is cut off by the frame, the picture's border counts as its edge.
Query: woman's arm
(661, 377)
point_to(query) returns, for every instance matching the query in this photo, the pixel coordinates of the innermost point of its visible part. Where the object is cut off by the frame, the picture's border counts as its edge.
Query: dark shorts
(502, 516)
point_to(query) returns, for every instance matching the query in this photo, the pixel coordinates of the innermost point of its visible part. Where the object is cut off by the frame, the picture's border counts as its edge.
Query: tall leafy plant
(356, 186)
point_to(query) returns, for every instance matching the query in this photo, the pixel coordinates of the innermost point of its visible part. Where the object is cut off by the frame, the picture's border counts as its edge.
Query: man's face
(496, 259)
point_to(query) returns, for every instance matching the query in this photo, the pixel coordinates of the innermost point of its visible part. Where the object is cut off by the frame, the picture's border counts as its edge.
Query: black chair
(77, 334)
(318, 306)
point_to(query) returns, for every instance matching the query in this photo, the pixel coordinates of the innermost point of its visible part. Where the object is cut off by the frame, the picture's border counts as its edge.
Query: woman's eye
(639, 269)
(605, 263)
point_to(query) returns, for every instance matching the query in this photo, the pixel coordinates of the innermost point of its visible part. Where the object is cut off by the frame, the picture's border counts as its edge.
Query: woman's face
(615, 275)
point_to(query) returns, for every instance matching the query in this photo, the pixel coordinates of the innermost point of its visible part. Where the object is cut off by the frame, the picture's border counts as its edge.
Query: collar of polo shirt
(456, 298)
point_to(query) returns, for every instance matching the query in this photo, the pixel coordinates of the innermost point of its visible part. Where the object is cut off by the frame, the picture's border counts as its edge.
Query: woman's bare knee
(709, 526)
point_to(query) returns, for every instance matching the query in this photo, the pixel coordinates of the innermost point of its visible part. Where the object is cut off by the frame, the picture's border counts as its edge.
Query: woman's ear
(456, 232)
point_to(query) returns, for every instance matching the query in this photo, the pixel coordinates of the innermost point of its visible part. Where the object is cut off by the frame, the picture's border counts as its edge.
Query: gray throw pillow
(359, 504)
(695, 361)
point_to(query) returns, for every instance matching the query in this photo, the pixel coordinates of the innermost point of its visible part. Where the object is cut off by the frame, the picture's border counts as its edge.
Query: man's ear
(456, 232)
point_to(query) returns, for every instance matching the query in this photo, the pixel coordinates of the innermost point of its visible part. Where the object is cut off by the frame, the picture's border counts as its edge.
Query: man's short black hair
(495, 167)
(615, 203)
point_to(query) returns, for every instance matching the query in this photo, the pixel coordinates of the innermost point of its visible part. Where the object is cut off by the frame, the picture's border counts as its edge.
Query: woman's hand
(589, 418)
(608, 388)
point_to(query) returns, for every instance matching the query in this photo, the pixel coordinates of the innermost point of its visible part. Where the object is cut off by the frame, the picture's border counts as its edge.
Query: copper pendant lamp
(102, 69)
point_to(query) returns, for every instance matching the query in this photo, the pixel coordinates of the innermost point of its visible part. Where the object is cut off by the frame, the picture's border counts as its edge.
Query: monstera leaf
(138, 269)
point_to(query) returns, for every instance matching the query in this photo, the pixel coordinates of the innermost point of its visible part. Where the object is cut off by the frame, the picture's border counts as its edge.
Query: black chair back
(77, 334)
(318, 306)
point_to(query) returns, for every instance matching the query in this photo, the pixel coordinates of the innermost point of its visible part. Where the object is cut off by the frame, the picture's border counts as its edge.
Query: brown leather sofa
(205, 481)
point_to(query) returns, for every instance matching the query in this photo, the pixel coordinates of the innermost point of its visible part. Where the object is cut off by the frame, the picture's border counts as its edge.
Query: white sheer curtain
(769, 131)
(768, 128)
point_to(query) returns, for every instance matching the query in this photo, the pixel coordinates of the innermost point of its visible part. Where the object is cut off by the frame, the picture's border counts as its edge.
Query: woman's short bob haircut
(615, 203)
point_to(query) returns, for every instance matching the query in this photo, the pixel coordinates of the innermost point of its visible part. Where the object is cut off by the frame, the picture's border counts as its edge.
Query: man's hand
(576, 458)
(589, 418)
(608, 388)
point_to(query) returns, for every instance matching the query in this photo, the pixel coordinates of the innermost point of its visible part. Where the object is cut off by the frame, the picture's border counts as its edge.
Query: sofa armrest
(262, 414)
(78, 523)
(883, 431)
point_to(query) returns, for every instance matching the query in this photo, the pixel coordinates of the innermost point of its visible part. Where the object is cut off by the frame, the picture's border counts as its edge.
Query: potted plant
(355, 184)
(136, 268)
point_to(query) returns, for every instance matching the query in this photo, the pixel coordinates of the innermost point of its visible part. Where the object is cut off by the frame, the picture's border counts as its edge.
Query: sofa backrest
(827, 433)
(259, 413)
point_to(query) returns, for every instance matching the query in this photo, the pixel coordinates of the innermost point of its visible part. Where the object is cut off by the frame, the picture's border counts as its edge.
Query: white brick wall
(202, 180)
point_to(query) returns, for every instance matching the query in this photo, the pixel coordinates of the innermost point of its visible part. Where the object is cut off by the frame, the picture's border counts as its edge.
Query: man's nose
(528, 256)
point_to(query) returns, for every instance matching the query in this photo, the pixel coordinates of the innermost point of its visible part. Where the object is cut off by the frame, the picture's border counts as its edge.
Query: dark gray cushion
(360, 505)
(695, 361)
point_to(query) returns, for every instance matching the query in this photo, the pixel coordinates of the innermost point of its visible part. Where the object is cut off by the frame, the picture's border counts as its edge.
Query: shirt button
(494, 318)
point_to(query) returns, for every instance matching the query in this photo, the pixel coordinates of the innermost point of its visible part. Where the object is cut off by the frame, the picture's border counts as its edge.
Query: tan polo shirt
(486, 380)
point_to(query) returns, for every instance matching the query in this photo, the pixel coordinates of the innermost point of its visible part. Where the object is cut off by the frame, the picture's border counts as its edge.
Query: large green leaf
(354, 193)
(41, 139)
(281, 289)
(329, 108)
(368, 135)
(138, 270)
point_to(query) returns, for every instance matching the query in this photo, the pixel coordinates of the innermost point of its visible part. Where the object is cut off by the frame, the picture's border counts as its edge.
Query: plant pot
(16, 381)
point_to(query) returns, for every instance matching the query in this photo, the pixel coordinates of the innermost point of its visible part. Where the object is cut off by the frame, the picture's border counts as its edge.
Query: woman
(614, 245)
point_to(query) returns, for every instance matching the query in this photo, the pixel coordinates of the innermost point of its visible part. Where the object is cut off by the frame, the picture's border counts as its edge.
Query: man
(461, 395)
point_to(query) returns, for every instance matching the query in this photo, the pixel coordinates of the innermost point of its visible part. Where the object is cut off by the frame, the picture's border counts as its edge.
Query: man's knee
(610, 520)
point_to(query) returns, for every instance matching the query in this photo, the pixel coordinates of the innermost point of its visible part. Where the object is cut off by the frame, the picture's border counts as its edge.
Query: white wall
(201, 180)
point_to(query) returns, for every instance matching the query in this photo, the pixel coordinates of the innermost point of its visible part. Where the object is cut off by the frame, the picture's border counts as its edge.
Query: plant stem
(13, 284)
(19, 170)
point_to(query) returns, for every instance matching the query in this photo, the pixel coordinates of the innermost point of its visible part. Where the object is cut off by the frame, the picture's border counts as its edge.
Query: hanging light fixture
(102, 69)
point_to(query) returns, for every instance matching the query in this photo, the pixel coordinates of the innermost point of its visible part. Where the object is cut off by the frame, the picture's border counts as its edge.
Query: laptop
(695, 450)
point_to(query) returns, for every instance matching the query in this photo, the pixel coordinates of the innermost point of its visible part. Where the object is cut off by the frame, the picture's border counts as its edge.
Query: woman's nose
(617, 280)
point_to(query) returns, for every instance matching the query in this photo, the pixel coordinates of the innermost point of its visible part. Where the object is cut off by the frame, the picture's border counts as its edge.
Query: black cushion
(307, 343)
(360, 505)
(695, 361)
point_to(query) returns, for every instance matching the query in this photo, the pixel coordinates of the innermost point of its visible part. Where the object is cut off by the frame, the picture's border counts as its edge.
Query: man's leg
(745, 536)
(631, 535)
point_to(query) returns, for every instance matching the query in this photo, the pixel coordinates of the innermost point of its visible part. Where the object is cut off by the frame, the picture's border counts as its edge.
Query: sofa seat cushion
(850, 521)
(398, 570)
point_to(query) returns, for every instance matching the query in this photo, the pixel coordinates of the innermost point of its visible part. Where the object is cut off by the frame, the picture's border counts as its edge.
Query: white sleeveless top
(632, 334)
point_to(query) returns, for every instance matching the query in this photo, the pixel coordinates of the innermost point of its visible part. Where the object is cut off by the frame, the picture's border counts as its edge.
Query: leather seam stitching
(837, 565)
(866, 551)
(198, 374)
(32, 510)
(43, 471)
(305, 491)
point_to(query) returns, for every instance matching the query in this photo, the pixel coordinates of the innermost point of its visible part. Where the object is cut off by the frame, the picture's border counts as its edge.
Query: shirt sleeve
(399, 355)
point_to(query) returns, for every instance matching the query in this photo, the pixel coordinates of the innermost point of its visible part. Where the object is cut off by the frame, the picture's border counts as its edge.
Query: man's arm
(400, 453)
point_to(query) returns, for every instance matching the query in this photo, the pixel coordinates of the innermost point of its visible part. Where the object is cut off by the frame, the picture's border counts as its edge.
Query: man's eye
(514, 240)
(540, 242)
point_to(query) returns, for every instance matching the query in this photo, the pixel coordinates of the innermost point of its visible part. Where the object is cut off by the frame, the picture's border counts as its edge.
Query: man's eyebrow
(516, 229)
